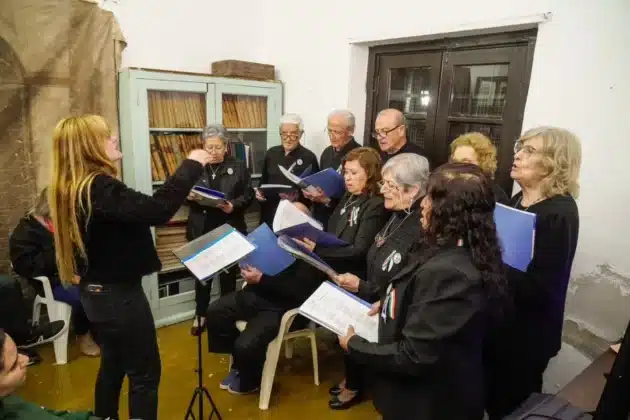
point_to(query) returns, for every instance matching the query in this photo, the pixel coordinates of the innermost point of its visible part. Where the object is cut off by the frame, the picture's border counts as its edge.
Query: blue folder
(306, 230)
(268, 257)
(329, 180)
(290, 245)
(516, 230)
(209, 191)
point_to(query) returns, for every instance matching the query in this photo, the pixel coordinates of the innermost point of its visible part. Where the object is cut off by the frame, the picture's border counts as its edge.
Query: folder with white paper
(329, 180)
(208, 197)
(268, 257)
(218, 249)
(297, 250)
(292, 222)
(516, 230)
(336, 309)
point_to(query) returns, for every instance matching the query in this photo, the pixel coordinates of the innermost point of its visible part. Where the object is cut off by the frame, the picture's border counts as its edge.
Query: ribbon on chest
(392, 259)
(388, 310)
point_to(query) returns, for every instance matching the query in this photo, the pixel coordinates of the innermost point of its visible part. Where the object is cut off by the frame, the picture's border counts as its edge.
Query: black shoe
(44, 333)
(33, 357)
(336, 404)
(335, 390)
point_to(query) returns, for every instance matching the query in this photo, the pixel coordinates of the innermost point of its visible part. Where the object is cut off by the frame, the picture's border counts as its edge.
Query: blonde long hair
(79, 155)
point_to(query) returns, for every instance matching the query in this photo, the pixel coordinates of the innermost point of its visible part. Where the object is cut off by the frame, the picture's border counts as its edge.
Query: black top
(402, 234)
(499, 195)
(331, 158)
(540, 292)
(356, 220)
(289, 288)
(231, 177)
(118, 238)
(32, 250)
(301, 156)
(431, 328)
(408, 147)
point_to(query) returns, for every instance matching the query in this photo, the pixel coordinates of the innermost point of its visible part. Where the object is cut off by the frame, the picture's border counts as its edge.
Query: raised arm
(113, 200)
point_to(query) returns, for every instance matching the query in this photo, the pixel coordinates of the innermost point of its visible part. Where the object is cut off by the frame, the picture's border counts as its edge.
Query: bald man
(390, 130)
(262, 304)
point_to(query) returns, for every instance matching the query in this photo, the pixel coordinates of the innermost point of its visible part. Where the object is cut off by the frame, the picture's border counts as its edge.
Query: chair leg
(63, 312)
(288, 349)
(315, 359)
(37, 310)
(230, 363)
(269, 373)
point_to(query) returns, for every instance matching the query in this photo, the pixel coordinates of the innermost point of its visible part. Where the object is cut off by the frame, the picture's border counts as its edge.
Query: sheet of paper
(615, 347)
(290, 176)
(220, 254)
(336, 310)
(288, 215)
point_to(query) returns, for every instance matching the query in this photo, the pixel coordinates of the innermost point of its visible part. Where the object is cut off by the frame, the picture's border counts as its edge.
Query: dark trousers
(70, 295)
(268, 211)
(248, 348)
(14, 312)
(511, 376)
(121, 318)
(354, 373)
(227, 281)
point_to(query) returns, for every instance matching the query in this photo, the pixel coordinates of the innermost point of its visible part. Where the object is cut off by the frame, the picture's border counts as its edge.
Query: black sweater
(118, 238)
(32, 250)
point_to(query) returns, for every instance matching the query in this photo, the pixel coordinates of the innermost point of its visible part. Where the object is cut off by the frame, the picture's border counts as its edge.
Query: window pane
(409, 89)
(479, 91)
(415, 131)
(492, 131)
(244, 111)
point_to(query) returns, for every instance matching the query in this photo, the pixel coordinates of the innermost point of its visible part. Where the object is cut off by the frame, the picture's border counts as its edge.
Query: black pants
(121, 318)
(268, 211)
(202, 292)
(14, 312)
(248, 348)
(511, 376)
(354, 373)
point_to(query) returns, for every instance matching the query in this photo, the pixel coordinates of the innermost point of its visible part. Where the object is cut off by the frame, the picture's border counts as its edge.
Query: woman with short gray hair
(230, 177)
(404, 183)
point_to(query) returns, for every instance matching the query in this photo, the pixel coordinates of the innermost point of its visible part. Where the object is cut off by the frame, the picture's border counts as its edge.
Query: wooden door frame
(527, 37)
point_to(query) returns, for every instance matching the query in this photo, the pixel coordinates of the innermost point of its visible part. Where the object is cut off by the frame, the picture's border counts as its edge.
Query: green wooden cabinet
(162, 114)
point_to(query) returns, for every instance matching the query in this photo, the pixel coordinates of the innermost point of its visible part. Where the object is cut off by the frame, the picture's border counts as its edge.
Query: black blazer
(32, 251)
(232, 179)
(357, 225)
(428, 360)
(403, 236)
(118, 239)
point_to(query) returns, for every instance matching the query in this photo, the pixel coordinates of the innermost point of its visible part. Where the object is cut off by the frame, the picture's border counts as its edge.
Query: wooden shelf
(176, 130)
(247, 130)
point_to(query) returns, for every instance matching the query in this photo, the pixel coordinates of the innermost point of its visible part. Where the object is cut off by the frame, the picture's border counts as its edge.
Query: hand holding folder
(268, 257)
(295, 224)
(208, 197)
(213, 252)
(329, 181)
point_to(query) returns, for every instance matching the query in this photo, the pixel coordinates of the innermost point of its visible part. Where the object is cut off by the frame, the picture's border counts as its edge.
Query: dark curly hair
(462, 208)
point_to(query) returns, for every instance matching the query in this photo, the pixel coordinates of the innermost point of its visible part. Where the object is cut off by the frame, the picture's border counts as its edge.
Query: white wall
(579, 81)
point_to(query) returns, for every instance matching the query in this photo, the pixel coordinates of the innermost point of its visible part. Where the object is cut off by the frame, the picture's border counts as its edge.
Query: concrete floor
(294, 396)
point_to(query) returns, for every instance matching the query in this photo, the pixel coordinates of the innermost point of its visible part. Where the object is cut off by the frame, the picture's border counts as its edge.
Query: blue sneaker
(237, 389)
(232, 376)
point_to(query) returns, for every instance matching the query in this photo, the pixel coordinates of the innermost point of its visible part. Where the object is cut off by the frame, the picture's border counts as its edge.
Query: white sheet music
(335, 310)
(221, 254)
(288, 215)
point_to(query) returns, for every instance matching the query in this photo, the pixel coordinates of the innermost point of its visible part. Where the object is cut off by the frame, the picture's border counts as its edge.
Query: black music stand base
(201, 392)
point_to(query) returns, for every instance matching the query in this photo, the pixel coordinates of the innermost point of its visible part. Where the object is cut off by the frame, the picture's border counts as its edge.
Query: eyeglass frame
(291, 136)
(391, 186)
(526, 149)
(376, 135)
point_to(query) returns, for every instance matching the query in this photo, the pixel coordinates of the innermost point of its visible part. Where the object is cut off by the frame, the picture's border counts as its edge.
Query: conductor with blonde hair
(546, 166)
(102, 235)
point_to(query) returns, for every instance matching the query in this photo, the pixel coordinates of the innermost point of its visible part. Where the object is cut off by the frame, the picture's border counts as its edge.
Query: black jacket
(499, 194)
(32, 251)
(358, 225)
(289, 288)
(408, 147)
(232, 179)
(427, 363)
(403, 235)
(118, 238)
(331, 158)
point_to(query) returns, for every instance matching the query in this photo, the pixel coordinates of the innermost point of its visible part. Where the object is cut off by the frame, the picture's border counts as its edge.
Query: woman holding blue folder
(230, 177)
(546, 167)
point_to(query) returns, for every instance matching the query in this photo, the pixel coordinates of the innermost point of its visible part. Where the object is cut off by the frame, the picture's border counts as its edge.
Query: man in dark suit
(341, 125)
(390, 131)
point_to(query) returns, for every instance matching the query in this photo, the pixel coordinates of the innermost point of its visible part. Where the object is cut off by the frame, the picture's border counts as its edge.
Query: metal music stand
(201, 392)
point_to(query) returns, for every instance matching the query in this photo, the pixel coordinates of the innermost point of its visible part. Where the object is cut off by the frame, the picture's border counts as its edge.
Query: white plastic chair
(56, 311)
(273, 353)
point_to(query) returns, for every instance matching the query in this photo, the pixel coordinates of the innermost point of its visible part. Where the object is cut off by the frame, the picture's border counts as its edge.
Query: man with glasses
(292, 156)
(341, 134)
(390, 131)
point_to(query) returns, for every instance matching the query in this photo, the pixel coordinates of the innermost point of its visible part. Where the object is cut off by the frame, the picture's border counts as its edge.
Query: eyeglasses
(337, 133)
(387, 185)
(291, 136)
(383, 133)
(525, 149)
